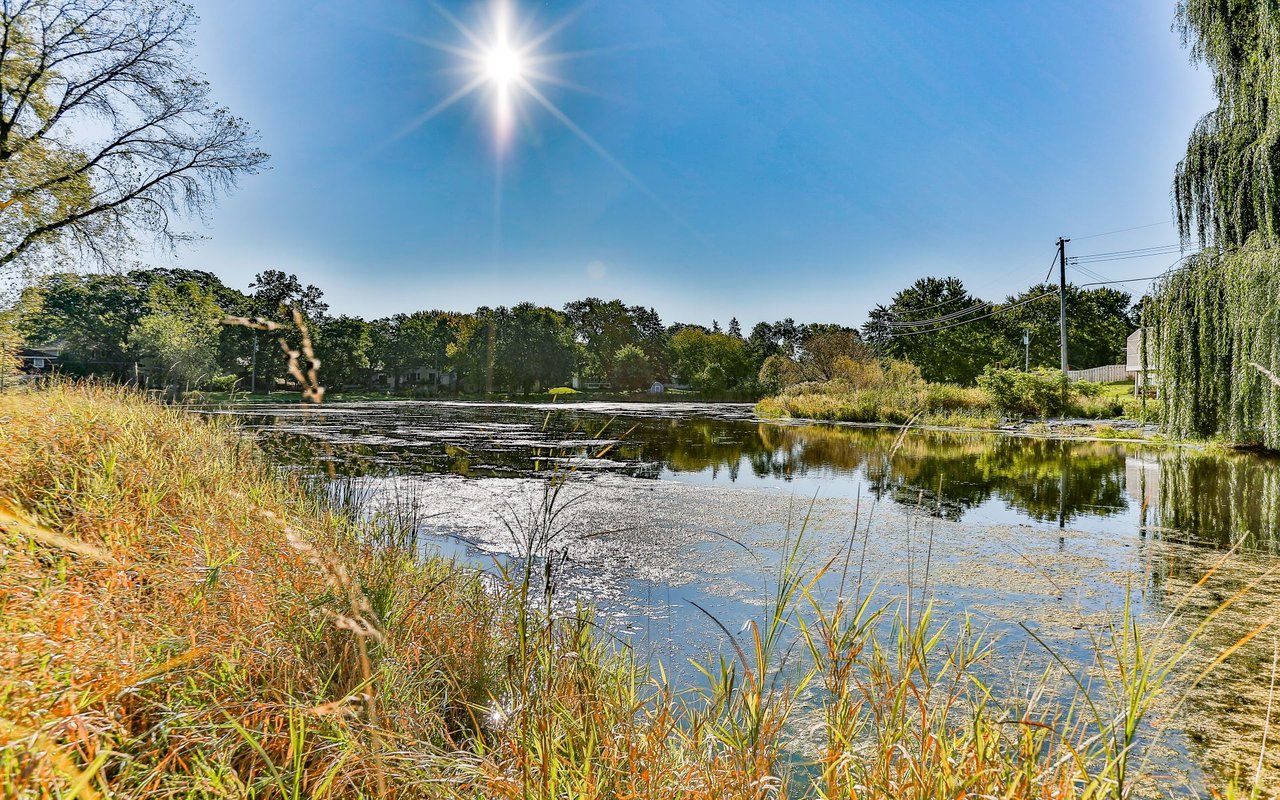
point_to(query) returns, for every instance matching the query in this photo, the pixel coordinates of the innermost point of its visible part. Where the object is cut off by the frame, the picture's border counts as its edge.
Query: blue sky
(798, 158)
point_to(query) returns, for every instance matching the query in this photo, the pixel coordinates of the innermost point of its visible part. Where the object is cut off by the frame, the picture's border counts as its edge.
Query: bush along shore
(894, 393)
(179, 621)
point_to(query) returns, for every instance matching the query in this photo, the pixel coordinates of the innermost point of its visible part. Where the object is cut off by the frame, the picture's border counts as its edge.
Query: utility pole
(1026, 345)
(488, 368)
(1062, 299)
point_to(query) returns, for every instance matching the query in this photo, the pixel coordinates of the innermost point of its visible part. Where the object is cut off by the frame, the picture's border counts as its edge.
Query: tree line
(170, 327)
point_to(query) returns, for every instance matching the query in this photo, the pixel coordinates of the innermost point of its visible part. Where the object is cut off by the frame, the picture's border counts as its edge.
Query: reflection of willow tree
(1220, 497)
(948, 473)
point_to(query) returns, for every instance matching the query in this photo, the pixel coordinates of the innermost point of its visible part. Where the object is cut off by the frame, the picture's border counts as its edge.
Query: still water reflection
(1179, 494)
(674, 505)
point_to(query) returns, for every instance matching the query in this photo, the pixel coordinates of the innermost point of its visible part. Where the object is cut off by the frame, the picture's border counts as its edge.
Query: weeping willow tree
(1225, 188)
(1214, 320)
(1216, 329)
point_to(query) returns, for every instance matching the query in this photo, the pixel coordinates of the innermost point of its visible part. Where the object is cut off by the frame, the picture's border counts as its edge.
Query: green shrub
(1096, 407)
(778, 373)
(1039, 393)
(222, 383)
(1087, 388)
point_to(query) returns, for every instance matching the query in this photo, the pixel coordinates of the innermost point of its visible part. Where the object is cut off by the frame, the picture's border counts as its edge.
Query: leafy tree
(469, 352)
(178, 336)
(535, 347)
(90, 315)
(824, 346)
(631, 368)
(344, 346)
(1213, 322)
(274, 295)
(235, 343)
(10, 342)
(1099, 321)
(105, 128)
(604, 327)
(712, 362)
(777, 373)
(954, 354)
(1227, 186)
(778, 338)
(420, 339)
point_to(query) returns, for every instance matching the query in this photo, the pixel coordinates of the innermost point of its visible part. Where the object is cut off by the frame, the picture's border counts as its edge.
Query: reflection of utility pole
(253, 368)
(1062, 492)
(1026, 345)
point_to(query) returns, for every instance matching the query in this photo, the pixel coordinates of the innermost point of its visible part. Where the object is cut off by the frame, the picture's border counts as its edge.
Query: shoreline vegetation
(893, 392)
(181, 620)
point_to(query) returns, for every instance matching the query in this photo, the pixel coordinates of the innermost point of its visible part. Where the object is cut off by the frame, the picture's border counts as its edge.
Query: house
(1142, 378)
(414, 376)
(588, 384)
(39, 360)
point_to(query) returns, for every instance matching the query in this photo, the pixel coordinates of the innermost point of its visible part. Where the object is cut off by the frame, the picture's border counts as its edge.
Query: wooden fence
(1111, 373)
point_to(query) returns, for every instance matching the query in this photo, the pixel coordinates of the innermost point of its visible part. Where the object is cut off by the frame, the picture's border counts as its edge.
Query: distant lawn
(1118, 389)
(229, 398)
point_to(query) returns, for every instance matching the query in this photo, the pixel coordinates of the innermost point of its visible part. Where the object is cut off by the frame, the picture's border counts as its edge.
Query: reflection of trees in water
(1214, 497)
(1045, 479)
(1218, 498)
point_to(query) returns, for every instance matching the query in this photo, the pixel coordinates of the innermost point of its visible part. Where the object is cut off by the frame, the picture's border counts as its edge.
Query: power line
(1088, 273)
(1146, 251)
(999, 310)
(941, 303)
(1167, 270)
(1052, 261)
(1173, 245)
(916, 323)
(1123, 230)
(954, 314)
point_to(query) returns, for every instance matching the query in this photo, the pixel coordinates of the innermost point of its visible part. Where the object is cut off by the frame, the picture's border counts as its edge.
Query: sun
(502, 64)
(505, 63)
(510, 66)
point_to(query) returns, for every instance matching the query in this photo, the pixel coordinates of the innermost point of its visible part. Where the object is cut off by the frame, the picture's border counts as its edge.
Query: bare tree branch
(105, 130)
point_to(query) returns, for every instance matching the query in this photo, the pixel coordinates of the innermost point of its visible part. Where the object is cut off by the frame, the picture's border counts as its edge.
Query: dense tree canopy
(527, 348)
(958, 334)
(953, 354)
(177, 338)
(712, 362)
(1215, 333)
(1099, 322)
(604, 327)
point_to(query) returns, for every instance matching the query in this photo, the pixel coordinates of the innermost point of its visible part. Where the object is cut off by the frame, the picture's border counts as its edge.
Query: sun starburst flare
(507, 65)
(501, 64)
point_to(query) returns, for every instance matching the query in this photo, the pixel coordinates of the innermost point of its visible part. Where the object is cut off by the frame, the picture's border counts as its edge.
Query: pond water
(671, 505)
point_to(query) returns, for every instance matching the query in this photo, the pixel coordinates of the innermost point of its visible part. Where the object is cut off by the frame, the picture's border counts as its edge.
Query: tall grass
(178, 620)
(939, 404)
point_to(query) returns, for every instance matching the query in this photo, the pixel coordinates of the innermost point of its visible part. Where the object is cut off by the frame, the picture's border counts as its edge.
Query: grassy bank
(176, 620)
(985, 406)
(928, 404)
